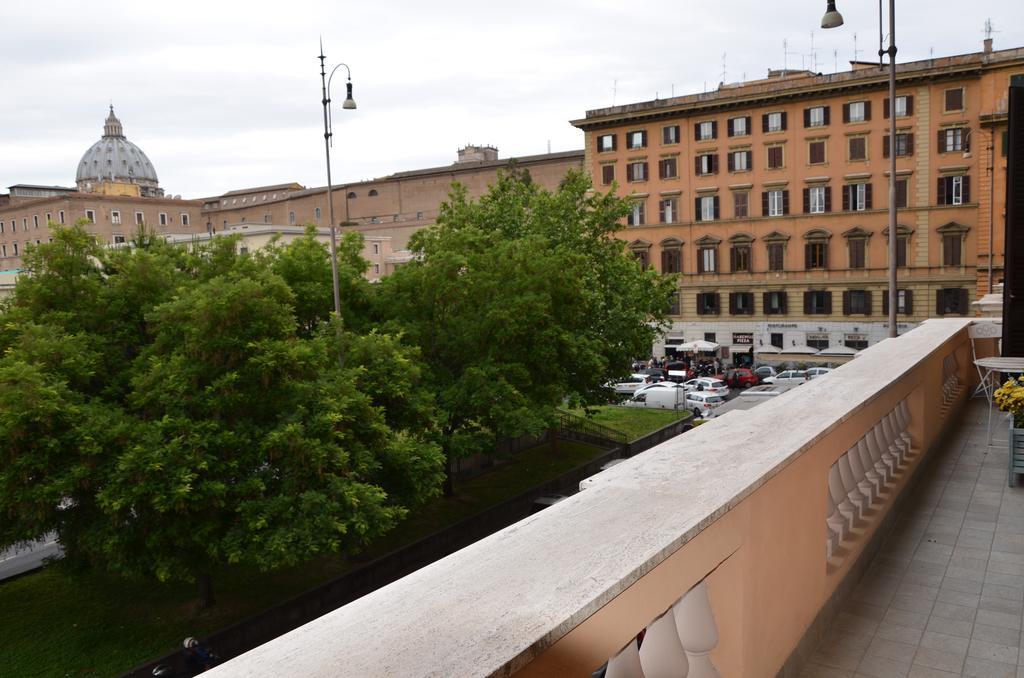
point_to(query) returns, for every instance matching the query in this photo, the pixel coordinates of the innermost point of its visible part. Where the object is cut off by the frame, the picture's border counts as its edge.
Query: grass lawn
(633, 421)
(60, 623)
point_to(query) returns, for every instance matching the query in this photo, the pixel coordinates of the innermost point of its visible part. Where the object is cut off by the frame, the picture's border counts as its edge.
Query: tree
(165, 412)
(520, 300)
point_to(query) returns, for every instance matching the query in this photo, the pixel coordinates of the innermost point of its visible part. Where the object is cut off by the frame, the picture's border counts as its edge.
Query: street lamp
(348, 104)
(832, 19)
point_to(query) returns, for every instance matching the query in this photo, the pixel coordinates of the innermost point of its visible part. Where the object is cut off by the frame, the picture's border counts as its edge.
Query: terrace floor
(945, 595)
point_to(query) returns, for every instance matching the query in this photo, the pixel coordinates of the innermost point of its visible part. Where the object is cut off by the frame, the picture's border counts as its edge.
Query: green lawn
(635, 422)
(59, 623)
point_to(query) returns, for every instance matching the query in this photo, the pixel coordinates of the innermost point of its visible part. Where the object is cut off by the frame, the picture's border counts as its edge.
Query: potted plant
(1010, 398)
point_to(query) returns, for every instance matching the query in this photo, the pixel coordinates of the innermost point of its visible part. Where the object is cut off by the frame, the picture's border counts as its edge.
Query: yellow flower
(1010, 397)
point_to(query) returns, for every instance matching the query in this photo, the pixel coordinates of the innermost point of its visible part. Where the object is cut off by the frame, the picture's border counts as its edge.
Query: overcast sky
(227, 95)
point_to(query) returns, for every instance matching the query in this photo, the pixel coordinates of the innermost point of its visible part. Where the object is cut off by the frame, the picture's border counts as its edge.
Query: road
(20, 559)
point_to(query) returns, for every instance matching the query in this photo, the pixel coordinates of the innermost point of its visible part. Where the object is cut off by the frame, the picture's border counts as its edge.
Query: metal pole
(893, 235)
(330, 206)
(991, 203)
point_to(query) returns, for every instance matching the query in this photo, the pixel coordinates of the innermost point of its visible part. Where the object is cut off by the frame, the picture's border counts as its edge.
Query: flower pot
(1016, 453)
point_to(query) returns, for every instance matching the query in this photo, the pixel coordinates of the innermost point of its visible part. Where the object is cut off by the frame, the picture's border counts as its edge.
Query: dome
(114, 159)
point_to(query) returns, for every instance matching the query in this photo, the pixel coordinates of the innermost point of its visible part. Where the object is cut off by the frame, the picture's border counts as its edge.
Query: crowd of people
(695, 366)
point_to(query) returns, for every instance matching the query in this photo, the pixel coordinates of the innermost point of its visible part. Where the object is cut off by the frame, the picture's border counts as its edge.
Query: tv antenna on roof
(856, 52)
(724, 71)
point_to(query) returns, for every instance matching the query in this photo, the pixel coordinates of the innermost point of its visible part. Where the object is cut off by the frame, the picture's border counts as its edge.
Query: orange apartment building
(769, 199)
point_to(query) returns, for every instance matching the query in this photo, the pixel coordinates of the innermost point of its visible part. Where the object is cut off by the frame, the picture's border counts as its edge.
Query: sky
(223, 96)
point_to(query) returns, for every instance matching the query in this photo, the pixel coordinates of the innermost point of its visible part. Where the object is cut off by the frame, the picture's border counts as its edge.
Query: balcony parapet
(740, 510)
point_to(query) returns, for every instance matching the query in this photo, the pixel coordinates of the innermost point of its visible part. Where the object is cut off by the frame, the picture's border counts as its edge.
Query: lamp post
(349, 104)
(833, 19)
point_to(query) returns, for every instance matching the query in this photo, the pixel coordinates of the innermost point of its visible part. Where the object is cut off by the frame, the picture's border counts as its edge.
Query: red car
(740, 377)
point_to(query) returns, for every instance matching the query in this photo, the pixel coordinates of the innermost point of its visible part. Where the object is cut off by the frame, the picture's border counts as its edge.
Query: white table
(991, 367)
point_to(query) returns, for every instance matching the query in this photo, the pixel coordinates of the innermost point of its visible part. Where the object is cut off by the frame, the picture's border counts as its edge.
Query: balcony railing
(722, 549)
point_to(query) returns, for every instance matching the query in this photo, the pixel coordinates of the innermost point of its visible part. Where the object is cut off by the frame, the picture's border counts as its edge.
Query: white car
(815, 372)
(707, 385)
(703, 404)
(791, 377)
(630, 384)
(661, 385)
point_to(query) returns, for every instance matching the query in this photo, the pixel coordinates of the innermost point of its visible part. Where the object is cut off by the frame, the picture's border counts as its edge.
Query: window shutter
(664, 256)
(846, 112)
(808, 253)
(807, 200)
(846, 302)
(910, 143)
(730, 162)
(910, 111)
(696, 131)
(908, 301)
(827, 108)
(714, 164)
(766, 302)
(938, 302)
(696, 217)
(885, 302)
(728, 127)
(966, 144)
(867, 302)
(696, 165)
(782, 299)
(764, 203)
(643, 172)
(941, 141)
(940, 193)
(750, 159)
(966, 189)
(807, 303)
(643, 138)
(785, 201)
(714, 129)
(807, 117)
(732, 303)
(846, 198)
(749, 126)
(867, 110)
(700, 306)
(828, 198)
(828, 303)
(867, 196)
(764, 122)
(716, 207)
(885, 146)
(783, 121)
(885, 107)
(824, 255)
(661, 169)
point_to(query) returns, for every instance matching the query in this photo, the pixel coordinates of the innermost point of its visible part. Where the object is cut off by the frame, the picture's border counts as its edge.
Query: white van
(659, 398)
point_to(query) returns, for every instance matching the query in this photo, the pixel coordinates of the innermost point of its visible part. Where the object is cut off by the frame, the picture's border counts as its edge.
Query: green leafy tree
(165, 413)
(521, 300)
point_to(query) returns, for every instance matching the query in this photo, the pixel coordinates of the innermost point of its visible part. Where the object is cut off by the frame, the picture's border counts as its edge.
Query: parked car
(631, 383)
(658, 398)
(707, 385)
(765, 371)
(660, 385)
(815, 372)
(788, 377)
(703, 403)
(740, 377)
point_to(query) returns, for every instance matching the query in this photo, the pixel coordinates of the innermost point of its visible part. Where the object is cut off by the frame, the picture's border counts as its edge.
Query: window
(670, 134)
(904, 106)
(951, 249)
(419, 215)
(1, 227)
(606, 143)
(947, 301)
(376, 248)
(140, 219)
(775, 304)
(673, 308)
(855, 341)
(706, 164)
(741, 303)
(776, 256)
(291, 218)
(707, 303)
(901, 250)
(607, 174)
(739, 127)
(3, 250)
(351, 195)
(376, 269)
(705, 131)
(858, 148)
(636, 171)
(816, 116)
(35, 221)
(636, 214)
(739, 161)
(817, 200)
(637, 139)
(775, 158)
(901, 193)
(904, 302)
(373, 193)
(115, 217)
(775, 202)
(740, 204)
(739, 258)
(856, 197)
(89, 215)
(954, 99)
(671, 259)
(668, 210)
(857, 302)
(642, 255)
(706, 208)
(15, 249)
(61, 216)
(316, 214)
(776, 339)
(817, 340)
(773, 122)
(953, 139)
(817, 303)
(816, 255)
(816, 152)
(858, 250)
(163, 218)
(49, 218)
(904, 145)
(667, 168)
(954, 190)
(707, 259)
(857, 111)
(118, 239)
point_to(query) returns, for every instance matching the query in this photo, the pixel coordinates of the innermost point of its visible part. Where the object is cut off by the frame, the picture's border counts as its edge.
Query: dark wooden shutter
(785, 201)
(846, 112)
(696, 165)
(615, 141)
(696, 131)
(764, 203)
(808, 254)
(828, 198)
(717, 212)
(764, 122)
(962, 300)
(749, 124)
(807, 200)
(807, 117)
(807, 303)
(700, 306)
(783, 116)
(608, 174)
(885, 107)
(782, 298)
(766, 302)
(910, 143)
(750, 159)
(939, 295)
(661, 169)
(966, 190)
(824, 255)
(910, 109)
(827, 108)
(643, 138)
(908, 302)
(867, 196)
(846, 302)
(885, 146)
(645, 174)
(965, 144)
(846, 198)
(728, 127)
(730, 162)
(941, 141)
(714, 164)
(885, 302)
(867, 302)
(867, 110)
(828, 303)
(714, 129)
(732, 303)
(696, 217)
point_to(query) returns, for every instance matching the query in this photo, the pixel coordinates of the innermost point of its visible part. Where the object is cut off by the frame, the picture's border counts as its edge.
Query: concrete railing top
(493, 606)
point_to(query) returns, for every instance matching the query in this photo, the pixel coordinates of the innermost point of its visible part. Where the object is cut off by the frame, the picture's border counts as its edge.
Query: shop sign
(743, 338)
(814, 336)
(856, 337)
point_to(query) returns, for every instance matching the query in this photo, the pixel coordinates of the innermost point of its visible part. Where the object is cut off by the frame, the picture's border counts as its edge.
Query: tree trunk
(206, 599)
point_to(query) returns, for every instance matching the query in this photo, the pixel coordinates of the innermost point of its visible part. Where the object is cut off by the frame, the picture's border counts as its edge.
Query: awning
(802, 349)
(839, 351)
(700, 346)
(768, 349)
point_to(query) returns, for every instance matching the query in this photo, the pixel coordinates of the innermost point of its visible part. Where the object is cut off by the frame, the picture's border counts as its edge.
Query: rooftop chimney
(472, 153)
(988, 46)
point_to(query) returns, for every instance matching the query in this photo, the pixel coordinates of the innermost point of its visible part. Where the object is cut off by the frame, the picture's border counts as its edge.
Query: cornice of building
(804, 85)
(97, 198)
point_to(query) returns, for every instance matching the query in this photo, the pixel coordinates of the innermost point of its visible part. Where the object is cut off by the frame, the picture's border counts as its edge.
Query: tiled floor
(945, 595)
